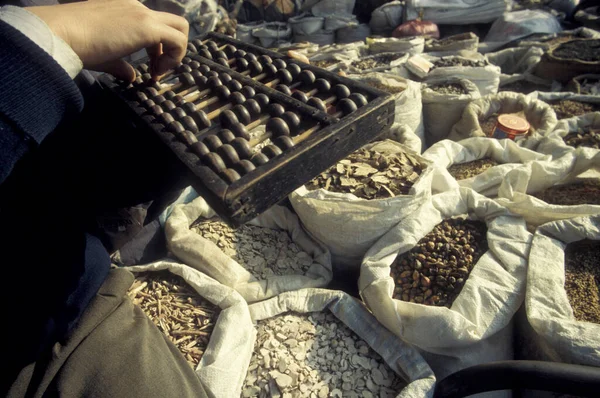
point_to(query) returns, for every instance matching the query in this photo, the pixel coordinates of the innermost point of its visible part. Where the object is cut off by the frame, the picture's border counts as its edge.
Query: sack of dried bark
(444, 101)
(479, 163)
(554, 190)
(468, 303)
(349, 223)
(225, 359)
(408, 109)
(338, 347)
(269, 255)
(541, 117)
(474, 68)
(565, 328)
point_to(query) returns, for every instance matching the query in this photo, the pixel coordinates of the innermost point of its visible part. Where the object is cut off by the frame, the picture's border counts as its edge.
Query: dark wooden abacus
(205, 111)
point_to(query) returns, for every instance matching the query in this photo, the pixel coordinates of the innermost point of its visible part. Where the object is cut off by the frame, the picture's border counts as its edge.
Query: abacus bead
(212, 142)
(214, 161)
(187, 137)
(244, 166)
(250, 57)
(294, 69)
(277, 127)
(242, 147)
(204, 69)
(271, 151)
(284, 76)
(168, 105)
(242, 114)
(241, 64)
(230, 175)
(255, 68)
(175, 127)
(143, 68)
(230, 49)
(262, 99)
(186, 60)
(159, 99)
(226, 136)
(253, 107)
(248, 91)
(213, 82)
(151, 92)
(219, 54)
(186, 79)
(292, 120)
(228, 154)
(239, 130)
(189, 124)
(276, 110)
(307, 77)
(322, 85)
(200, 80)
(222, 92)
(201, 119)
(205, 54)
(211, 73)
(193, 64)
(146, 77)
(199, 148)
(227, 118)
(183, 68)
(346, 106)
(166, 118)
(284, 89)
(211, 45)
(284, 142)
(279, 63)
(148, 103)
(169, 95)
(178, 113)
(156, 110)
(192, 48)
(237, 98)
(225, 77)
(341, 91)
(140, 96)
(259, 159)
(358, 99)
(223, 61)
(317, 103)
(235, 85)
(265, 59)
(300, 96)
(239, 53)
(270, 69)
(188, 107)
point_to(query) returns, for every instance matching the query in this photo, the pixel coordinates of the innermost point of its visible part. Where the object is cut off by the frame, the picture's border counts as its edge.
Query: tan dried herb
(582, 279)
(577, 193)
(371, 175)
(180, 312)
(462, 171)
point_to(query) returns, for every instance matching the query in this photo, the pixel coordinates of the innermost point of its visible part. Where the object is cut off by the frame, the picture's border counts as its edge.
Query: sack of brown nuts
(449, 278)
(351, 205)
(479, 163)
(563, 188)
(564, 266)
(208, 322)
(325, 343)
(267, 256)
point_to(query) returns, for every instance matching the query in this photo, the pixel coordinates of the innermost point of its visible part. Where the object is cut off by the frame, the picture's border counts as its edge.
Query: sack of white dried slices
(325, 343)
(449, 278)
(267, 256)
(563, 266)
(479, 163)
(208, 322)
(353, 203)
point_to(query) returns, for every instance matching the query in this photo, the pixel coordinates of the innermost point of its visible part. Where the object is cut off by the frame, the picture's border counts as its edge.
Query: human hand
(101, 32)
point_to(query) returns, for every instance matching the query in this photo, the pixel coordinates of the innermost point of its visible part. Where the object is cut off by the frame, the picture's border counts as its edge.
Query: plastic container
(511, 127)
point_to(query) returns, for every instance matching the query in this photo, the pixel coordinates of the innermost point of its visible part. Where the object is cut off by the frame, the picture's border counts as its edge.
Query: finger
(119, 69)
(153, 53)
(174, 44)
(174, 21)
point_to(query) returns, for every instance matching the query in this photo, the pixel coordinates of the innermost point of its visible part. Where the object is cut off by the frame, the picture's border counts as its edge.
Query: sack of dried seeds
(450, 285)
(562, 299)
(576, 132)
(563, 188)
(375, 63)
(443, 103)
(208, 322)
(475, 69)
(353, 203)
(267, 256)
(567, 105)
(325, 343)
(479, 117)
(479, 163)
(408, 109)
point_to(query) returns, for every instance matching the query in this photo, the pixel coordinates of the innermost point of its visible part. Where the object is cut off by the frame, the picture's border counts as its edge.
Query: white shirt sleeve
(37, 31)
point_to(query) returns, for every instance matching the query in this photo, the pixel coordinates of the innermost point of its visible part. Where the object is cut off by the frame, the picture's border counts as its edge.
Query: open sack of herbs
(475, 69)
(358, 199)
(480, 117)
(576, 132)
(565, 187)
(267, 256)
(449, 278)
(208, 322)
(564, 264)
(479, 163)
(325, 343)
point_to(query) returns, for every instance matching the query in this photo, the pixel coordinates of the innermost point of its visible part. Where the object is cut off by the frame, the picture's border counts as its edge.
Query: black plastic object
(279, 171)
(578, 380)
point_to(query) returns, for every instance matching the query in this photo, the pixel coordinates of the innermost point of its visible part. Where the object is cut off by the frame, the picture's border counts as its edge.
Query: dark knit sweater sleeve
(35, 95)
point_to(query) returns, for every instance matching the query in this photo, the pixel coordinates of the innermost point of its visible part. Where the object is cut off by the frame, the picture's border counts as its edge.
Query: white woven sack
(348, 226)
(442, 111)
(554, 144)
(457, 12)
(408, 109)
(409, 45)
(402, 358)
(505, 152)
(541, 116)
(555, 335)
(385, 18)
(514, 192)
(224, 364)
(203, 255)
(477, 327)
(516, 61)
(486, 78)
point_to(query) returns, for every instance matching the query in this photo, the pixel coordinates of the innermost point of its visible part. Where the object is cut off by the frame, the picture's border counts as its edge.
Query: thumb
(119, 69)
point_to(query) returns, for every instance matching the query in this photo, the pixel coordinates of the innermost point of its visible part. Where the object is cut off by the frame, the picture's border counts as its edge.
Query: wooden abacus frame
(270, 183)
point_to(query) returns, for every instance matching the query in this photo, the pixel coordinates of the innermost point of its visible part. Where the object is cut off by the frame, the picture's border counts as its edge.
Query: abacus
(251, 124)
